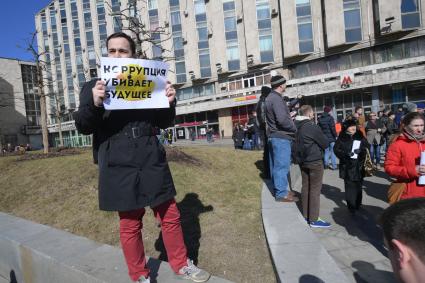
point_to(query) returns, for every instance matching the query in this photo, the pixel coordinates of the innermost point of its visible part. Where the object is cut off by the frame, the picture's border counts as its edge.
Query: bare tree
(132, 21)
(44, 80)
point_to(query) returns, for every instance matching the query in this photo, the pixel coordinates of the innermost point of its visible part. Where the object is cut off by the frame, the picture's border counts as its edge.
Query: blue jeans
(280, 163)
(375, 153)
(330, 151)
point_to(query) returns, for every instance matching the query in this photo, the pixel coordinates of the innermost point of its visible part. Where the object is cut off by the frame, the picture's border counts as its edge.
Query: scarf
(414, 137)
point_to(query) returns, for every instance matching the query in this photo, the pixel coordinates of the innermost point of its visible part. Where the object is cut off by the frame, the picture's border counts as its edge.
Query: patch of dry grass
(219, 199)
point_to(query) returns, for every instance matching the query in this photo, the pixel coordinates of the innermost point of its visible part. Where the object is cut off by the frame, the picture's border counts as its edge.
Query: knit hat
(327, 109)
(410, 107)
(277, 80)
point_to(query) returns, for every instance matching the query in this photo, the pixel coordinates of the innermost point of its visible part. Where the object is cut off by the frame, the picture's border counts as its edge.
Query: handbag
(369, 168)
(395, 191)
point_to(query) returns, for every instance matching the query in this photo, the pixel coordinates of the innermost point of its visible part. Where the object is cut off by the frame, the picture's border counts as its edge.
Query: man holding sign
(121, 111)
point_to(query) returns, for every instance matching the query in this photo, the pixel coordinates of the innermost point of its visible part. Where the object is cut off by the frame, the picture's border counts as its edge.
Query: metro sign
(346, 80)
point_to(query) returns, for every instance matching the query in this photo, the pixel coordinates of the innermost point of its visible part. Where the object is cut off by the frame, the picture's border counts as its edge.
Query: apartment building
(20, 114)
(340, 53)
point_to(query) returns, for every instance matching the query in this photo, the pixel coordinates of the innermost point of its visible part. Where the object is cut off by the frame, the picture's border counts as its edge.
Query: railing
(75, 141)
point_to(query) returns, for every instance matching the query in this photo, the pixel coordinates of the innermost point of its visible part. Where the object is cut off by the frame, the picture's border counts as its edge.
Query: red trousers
(132, 242)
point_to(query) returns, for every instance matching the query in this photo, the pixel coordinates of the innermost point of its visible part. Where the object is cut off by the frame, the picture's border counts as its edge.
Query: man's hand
(420, 169)
(170, 92)
(99, 93)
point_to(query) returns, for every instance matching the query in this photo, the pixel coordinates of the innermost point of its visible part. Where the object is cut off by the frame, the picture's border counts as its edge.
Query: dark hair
(357, 108)
(405, 221)
(126, 36)
(409, 117)
(265, 91)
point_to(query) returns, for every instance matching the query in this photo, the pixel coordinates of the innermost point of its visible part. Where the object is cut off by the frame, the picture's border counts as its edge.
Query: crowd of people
(18, 149)
(289, 132)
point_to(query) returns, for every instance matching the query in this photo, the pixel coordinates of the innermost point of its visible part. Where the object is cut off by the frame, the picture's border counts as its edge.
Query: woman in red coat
(403, 156)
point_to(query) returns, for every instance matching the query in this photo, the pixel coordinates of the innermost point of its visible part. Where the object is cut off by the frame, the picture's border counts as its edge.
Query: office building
(340, 53)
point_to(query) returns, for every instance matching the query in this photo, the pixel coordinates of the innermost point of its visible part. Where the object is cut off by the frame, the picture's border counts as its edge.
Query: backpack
(298, 153)
(261, 113)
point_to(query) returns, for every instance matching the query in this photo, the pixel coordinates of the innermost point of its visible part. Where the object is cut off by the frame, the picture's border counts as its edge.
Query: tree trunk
(43, 110)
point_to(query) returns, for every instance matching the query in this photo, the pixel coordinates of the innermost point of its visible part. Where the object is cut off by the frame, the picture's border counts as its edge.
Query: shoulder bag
(395, 191)
(369, 168)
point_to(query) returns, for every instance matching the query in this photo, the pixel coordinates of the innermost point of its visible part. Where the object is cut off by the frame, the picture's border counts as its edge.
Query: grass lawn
(218, 196)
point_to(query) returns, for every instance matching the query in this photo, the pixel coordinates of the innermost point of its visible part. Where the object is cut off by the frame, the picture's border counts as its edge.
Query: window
(410, 17)
(178, 47)
(231, 34)
(264, 30)
(352, 20)
(203, 45)
(305, 29)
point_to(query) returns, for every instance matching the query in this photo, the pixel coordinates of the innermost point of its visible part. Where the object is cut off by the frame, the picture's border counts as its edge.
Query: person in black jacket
(351, 166)
(314, 142)
(133, 170)
(238, 136)
(327, 124)
(261, 121)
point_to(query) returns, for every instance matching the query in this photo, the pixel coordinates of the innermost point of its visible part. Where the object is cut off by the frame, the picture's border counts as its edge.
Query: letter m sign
(346, 80)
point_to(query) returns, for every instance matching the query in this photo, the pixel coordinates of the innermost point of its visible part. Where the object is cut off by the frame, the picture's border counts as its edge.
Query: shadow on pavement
(12, 276)
(362, 225)
(377, 190)
(369, 274)
(308, 278)
(190, 208)
(260, 166)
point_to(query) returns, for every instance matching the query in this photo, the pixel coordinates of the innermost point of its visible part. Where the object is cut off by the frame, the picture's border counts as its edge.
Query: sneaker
(143, 279)
(193, 272)
(319, 223)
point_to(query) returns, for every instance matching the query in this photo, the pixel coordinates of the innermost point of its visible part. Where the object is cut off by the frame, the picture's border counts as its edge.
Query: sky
(16, 25)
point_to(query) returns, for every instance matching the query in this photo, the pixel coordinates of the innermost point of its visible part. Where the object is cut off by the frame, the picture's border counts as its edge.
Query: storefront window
(318, 67)
(380, 55)
(415, 92)
(212, 116)
(411, 49)
(201, 116)
(338, 100)
(395, 52)
(367, 98)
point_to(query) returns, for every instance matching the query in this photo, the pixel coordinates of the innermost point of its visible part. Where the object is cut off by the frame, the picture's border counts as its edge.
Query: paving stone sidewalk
(355, 242)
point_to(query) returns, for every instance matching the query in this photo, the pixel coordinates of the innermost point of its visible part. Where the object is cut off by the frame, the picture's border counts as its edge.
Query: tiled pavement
(355, 242)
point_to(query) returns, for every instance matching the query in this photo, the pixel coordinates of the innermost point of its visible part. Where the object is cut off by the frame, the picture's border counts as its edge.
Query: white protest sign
(134, 83)
(356, 145)
(421, 180)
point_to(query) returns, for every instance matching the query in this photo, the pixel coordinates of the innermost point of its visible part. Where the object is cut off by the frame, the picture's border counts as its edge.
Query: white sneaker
(193, 273)
(143, 279)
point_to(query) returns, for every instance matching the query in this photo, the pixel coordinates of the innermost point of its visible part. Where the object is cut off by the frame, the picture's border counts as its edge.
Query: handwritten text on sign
(134, 83)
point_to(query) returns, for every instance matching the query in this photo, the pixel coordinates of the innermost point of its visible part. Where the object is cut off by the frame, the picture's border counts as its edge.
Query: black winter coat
(238, 137)
(350, 169)
(313, 139)
(327, 124)
(133, 170)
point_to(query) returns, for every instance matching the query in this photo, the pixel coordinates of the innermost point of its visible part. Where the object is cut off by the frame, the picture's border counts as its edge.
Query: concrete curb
(35, 253)
(297, 254)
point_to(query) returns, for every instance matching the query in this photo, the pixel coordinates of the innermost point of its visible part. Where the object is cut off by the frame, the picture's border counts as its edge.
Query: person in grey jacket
(313, 142)
(375, 137)
(280, 132)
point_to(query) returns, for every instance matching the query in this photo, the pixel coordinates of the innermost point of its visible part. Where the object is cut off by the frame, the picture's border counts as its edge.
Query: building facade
(20, 114)
(340, 53)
